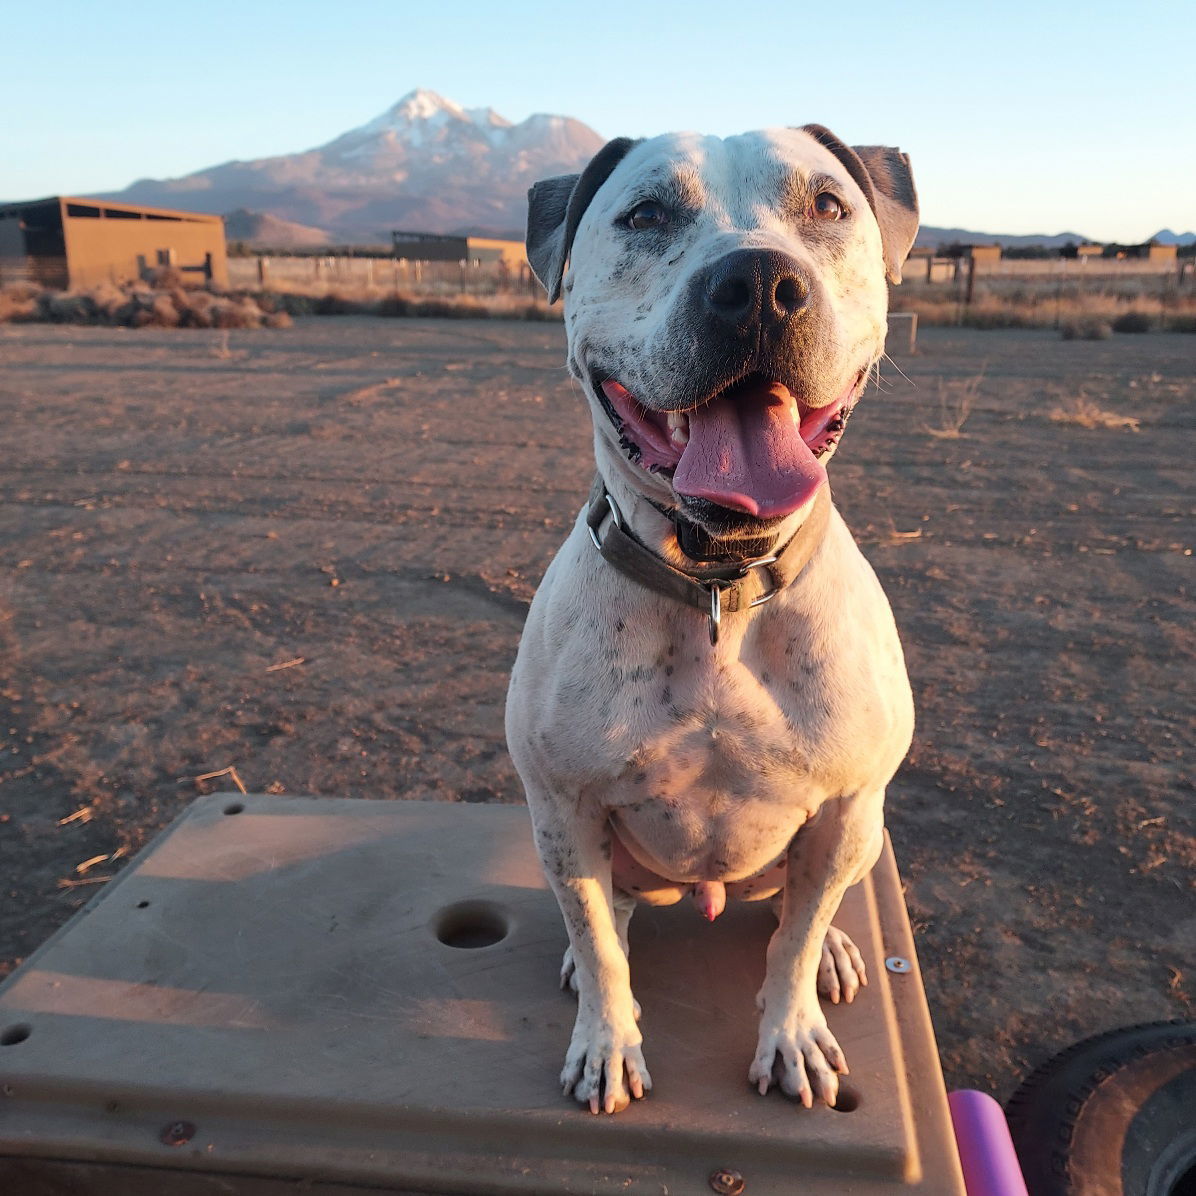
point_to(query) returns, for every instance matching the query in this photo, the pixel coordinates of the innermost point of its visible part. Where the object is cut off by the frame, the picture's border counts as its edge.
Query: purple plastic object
(990, 1166)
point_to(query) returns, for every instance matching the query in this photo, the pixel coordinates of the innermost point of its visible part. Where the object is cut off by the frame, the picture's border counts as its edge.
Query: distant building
(983, 254)
(1089, 250)
(69, 242)
(511, 254)
(475, 251)
(429, 247)
(1150, 251)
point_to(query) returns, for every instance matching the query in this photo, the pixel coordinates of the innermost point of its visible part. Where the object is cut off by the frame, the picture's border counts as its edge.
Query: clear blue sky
(1023, 117)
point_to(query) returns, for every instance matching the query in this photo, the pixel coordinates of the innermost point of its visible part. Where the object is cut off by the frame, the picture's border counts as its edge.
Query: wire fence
(325, 275)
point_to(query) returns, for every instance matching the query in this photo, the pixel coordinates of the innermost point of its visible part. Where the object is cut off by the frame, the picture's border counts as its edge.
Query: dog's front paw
(604, 1067)
(801, 1055)
(841, 974)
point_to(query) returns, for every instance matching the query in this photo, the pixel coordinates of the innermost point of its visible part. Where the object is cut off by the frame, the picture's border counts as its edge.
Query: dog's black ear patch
(554, 210)
(883, 174)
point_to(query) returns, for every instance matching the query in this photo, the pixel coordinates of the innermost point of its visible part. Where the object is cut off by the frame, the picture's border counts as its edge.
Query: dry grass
(1086, 413)
(956, 398)
(1126, 305)
(141, 305)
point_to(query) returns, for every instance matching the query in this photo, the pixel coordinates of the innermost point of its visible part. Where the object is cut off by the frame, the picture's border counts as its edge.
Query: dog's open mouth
(753, 447)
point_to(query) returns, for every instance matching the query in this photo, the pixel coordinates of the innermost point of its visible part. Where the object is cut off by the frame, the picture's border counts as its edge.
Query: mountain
(1166, 237)
(933, 238)
(425, 164)
(428, 165)
(261, 228)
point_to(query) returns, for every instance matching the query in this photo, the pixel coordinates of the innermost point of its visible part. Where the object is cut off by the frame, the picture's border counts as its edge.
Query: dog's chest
(713, 776)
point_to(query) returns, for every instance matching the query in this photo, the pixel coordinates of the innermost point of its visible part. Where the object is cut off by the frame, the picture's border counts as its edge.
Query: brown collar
(715, 589)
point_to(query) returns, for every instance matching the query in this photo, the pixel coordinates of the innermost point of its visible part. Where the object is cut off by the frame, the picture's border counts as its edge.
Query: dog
(710, 696)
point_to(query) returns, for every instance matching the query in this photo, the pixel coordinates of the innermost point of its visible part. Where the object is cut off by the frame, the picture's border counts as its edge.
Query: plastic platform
(288, 994)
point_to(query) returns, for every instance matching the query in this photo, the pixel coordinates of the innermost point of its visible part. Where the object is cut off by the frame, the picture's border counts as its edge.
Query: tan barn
(983, 254)
(70, 242)
(490, 249)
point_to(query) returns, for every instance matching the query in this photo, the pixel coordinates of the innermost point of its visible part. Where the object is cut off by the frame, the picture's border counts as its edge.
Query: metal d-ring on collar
(716, 585)
(705, 589)
(615, 516)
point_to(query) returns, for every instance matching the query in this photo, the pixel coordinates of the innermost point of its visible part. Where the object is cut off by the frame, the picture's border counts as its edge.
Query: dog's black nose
(755, 287)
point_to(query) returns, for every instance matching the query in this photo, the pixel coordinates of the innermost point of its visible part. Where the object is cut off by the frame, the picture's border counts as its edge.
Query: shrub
(1088, 414)
(1089, 328)
(336, 304)
(164, 277)
(299, 305)
(1133, 321)
(394, 305)
(18, 304)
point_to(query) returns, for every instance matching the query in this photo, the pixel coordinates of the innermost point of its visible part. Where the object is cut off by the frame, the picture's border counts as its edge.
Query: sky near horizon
(1024, 118)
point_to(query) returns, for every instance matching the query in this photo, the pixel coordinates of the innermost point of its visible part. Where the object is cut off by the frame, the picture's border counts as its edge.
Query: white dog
(710, 695)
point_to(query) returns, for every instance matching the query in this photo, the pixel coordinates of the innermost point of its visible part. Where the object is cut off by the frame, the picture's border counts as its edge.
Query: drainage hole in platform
(234, 807)
(472, 924)
(848, 1102)
(11, 1035)
(143, 905)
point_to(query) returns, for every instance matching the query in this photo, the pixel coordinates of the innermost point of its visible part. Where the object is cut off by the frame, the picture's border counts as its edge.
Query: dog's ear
(555, 208)
(884, 176)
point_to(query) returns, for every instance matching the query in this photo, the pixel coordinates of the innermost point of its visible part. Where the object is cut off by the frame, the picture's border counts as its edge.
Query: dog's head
(725, 301)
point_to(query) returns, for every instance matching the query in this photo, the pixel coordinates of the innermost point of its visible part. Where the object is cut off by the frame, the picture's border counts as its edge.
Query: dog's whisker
(900, 371)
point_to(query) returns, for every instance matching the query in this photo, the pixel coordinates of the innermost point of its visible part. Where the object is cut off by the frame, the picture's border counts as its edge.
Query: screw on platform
(895, 963)
(726, 1182)
(177, 1133)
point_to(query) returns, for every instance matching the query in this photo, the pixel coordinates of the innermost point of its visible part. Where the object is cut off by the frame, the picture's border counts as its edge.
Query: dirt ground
(181, 512)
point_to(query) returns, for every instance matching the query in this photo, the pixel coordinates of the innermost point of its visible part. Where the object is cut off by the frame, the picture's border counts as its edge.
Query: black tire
(1114, 1115)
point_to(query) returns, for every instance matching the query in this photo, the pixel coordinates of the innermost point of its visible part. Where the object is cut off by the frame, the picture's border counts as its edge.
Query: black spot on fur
(640, 777)
(668, 672)
(666, 696)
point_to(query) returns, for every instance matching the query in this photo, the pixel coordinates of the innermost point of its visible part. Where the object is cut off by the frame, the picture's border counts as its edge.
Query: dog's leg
(827, 856)
(624, 907)
(604, 1066)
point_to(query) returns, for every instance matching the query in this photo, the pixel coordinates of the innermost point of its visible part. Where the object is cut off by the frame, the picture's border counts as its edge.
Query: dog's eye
(827, 207)
(648, 214)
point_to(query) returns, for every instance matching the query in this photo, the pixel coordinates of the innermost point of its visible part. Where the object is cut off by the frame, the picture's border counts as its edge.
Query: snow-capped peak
(422, 104)
(418, 107)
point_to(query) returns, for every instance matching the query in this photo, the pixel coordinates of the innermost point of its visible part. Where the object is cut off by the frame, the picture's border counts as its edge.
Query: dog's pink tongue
(745, 452)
